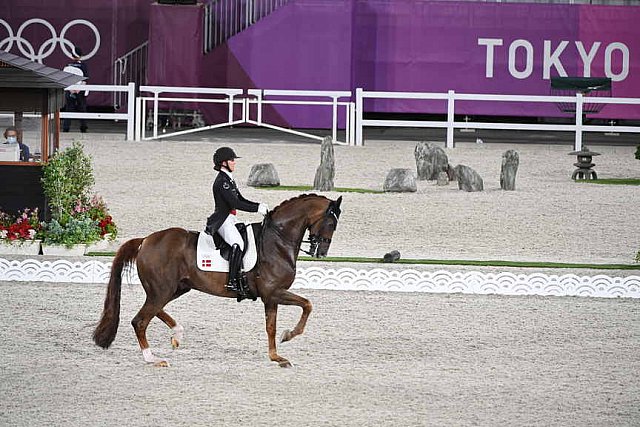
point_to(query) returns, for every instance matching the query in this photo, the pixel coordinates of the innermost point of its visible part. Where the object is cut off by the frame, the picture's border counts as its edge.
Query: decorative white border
(350, 279)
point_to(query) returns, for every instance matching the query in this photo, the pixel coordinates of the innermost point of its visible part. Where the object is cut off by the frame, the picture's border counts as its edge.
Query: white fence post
(138, 124)
(578, 144)
(450, 118)
(359, 140)
(131, 111)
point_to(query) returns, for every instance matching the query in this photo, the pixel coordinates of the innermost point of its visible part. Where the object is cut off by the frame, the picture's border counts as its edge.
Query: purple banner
(410, 45)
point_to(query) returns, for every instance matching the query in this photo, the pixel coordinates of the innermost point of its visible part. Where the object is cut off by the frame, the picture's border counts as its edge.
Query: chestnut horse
(166, 263)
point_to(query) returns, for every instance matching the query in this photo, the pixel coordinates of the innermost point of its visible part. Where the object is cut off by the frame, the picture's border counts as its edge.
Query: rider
(227, 200)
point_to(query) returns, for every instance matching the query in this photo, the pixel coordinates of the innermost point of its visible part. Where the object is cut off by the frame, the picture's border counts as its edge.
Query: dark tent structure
(30, 87)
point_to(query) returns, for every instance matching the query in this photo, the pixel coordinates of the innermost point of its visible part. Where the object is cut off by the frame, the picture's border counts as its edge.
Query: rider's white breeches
(230, 233)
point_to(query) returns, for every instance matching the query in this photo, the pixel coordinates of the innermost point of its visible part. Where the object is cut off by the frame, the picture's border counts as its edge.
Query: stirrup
(232, 286)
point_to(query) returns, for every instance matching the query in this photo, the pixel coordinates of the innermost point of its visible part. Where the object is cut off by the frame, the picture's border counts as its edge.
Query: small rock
(468, 179)
(263, 175)
(443, 179)
(400, 181)
(510, 162)
(392, 256)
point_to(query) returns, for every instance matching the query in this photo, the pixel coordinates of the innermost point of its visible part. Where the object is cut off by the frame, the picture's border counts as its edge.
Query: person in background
(11, 137)
(76, 100)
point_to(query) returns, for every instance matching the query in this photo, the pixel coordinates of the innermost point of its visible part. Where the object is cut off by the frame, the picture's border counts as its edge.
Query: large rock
(400, 181)
(263, 175)
(468, 179)
(510, 162)
(430, 161)
(326, 171)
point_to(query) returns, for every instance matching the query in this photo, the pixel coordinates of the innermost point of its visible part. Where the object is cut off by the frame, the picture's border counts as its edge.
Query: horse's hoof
(286, 336)
(175, 343)
(285, 364)
(161, 364)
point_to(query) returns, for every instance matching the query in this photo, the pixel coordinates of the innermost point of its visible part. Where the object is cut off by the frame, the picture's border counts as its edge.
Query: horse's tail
(107, 328)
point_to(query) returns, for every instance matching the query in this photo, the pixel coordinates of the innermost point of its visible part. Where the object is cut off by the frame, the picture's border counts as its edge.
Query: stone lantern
(584, 164)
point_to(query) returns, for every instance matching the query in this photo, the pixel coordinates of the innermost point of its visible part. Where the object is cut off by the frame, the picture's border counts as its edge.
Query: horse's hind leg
(289, 298)
(177, 331)
(140, 323)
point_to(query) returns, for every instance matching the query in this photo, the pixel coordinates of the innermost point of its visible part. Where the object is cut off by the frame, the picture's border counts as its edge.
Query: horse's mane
(293, 199)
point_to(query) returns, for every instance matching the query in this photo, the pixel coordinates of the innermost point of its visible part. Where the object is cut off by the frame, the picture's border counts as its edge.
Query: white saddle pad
(209, 258)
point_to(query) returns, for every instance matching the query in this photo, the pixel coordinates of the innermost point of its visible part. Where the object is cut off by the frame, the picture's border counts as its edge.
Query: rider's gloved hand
(263, 209)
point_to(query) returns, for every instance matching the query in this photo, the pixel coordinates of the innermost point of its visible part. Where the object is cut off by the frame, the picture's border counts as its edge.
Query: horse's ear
(338, 201)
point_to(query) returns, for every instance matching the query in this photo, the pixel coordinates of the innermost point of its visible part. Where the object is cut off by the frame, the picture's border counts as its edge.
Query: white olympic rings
(47, 48)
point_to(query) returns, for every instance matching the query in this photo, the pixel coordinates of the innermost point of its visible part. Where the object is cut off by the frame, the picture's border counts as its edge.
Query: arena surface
(366, 358)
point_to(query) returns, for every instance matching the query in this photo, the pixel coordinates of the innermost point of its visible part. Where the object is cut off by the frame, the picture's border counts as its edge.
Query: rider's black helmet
(221, 155)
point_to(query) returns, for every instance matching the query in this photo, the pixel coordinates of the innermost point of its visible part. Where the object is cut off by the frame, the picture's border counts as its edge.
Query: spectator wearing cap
(76, 100)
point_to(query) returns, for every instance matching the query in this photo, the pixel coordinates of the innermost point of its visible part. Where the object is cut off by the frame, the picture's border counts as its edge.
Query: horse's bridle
(315, 239)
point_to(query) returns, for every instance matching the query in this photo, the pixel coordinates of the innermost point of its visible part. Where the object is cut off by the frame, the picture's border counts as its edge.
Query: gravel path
(158, 184)
(366, 359)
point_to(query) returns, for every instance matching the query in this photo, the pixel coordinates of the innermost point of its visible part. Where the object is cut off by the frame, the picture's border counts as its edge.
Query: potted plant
(20, 234)
(77, 218)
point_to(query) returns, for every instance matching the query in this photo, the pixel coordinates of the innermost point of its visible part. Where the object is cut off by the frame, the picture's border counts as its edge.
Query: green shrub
(638, 152)
(67, 179)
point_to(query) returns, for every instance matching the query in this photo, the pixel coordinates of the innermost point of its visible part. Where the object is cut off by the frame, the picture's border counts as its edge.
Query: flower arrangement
(99, 212)
(77, 217)
(25, 226)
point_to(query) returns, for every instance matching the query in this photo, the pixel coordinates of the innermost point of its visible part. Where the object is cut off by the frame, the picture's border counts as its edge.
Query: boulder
(468, 179)
(510, 162)
(443, 178)
(263, 175)
(400, 181)
(326, 171)
(430, 160)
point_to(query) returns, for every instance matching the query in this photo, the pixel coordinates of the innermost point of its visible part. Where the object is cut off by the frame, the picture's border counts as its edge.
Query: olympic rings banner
(103, 30)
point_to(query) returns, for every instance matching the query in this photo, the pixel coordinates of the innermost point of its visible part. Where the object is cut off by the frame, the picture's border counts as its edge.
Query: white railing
(226, 18)
(129, 116)
(236, 97)
(230, 97)
(450, 124)
(259, 97)
(130, 67)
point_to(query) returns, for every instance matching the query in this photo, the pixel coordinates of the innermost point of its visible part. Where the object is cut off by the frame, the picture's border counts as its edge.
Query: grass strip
(310, 188)
(483, 263)
(612, 181)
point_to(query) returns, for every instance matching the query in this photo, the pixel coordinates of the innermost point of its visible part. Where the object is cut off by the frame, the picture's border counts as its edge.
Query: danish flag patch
(206, 262)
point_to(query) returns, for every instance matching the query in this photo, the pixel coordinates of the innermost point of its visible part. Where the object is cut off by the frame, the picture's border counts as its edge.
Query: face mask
(12, 139)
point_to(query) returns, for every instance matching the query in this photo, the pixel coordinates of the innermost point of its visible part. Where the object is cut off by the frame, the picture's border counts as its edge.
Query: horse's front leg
(271, 314)
(289, 298)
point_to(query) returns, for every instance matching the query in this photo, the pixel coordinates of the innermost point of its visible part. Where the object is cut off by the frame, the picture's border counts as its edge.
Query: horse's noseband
(314, 239)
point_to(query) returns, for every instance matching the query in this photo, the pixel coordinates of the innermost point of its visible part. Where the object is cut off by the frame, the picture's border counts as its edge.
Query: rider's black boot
(234, 263)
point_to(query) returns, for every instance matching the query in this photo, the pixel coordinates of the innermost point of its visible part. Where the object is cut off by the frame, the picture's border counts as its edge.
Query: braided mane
(293, 199)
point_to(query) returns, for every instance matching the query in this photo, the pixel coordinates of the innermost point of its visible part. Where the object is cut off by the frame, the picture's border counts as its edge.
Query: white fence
(241, 103)
(257, 98)
(450, 124)
(129, 116)
(350, 279)
(229, 97)
(261, 97)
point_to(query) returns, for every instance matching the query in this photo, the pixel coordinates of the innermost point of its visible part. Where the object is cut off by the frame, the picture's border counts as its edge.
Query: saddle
(212, 253)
